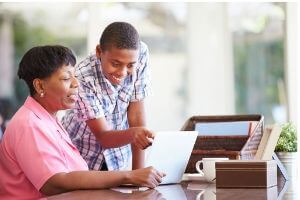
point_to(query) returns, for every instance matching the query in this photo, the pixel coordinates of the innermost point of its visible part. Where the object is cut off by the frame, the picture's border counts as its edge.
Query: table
(186, 190)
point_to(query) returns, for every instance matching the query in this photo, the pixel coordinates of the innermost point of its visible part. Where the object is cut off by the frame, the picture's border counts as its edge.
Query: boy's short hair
(121, 35)
(42, 61)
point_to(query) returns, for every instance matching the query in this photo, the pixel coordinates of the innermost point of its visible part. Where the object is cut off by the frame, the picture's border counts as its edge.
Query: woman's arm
(64, 182)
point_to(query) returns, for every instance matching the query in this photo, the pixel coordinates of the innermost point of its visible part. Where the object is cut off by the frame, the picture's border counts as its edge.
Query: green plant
(287, 141)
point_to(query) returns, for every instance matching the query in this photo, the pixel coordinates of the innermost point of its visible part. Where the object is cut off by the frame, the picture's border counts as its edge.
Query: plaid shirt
(99, 98)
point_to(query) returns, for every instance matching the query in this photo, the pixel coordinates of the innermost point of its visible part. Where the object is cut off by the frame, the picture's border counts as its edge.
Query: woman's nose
(75, 82)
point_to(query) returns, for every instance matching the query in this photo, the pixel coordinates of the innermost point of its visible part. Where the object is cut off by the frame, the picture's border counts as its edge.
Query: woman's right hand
(148, 177)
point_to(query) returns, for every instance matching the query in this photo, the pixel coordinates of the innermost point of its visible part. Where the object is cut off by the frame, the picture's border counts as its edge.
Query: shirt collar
(43, 114)
(38, 109)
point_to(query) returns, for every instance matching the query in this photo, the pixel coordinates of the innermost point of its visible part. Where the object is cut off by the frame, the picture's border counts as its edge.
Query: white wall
(210, 80)
(164, 108)
(291, 65)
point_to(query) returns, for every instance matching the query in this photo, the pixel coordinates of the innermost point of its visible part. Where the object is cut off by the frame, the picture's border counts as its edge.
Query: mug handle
(198, 197)
(198, 163)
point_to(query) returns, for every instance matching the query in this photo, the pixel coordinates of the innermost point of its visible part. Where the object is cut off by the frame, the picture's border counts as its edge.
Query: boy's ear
(98, 51)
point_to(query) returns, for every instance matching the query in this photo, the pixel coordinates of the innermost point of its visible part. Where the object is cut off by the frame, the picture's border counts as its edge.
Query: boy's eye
(132, 65)
(116, 64)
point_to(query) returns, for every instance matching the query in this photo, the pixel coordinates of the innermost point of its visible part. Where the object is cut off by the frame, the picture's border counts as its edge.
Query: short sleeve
(88, 104)
(142, 84)
(39, 155)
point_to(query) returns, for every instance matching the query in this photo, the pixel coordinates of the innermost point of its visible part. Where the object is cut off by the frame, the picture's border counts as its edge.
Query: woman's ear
(38, 85)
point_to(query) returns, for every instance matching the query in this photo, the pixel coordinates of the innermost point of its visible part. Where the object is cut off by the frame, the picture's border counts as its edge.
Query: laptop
(170, 153)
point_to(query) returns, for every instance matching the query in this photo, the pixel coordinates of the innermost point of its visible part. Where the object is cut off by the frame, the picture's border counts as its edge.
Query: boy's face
(117, 63)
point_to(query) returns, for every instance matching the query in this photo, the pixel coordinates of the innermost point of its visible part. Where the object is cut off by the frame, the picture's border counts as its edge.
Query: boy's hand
(148, 177)
(141, 137)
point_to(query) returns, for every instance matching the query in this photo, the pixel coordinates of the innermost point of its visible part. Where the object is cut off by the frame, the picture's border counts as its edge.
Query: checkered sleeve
(88, 105)
(142, 84)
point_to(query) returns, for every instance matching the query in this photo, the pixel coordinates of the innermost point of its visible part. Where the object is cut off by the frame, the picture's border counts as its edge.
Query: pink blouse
(34, 147)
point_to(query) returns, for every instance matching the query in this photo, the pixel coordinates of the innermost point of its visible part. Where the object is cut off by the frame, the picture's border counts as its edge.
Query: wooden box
(232, 147)
(246, 174)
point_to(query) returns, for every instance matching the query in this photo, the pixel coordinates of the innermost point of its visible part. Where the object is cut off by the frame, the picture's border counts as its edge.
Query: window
(258, 53)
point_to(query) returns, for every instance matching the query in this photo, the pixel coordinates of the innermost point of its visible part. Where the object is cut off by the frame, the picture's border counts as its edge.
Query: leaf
(287, 141)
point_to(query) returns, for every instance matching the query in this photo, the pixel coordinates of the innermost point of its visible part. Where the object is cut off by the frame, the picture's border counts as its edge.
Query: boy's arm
(136, 118)
(109, 138)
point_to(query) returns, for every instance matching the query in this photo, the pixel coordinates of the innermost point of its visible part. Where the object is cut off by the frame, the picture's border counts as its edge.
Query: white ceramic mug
(209, 168)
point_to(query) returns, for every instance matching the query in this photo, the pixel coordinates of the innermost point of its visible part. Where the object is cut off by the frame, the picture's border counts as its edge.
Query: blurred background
(205, 58)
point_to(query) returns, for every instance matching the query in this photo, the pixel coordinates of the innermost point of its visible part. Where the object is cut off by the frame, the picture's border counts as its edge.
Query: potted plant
(286, 148)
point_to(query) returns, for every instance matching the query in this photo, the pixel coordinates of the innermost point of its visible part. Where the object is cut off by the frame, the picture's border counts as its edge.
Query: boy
(109, 119)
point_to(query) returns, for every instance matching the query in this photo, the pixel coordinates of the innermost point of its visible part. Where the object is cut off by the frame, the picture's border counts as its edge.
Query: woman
(37, 157)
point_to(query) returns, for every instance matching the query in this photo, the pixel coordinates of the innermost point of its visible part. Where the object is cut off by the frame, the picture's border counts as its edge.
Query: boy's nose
(122, 72)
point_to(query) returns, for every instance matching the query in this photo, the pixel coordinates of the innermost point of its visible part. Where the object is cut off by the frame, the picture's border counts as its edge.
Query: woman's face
(60, 89)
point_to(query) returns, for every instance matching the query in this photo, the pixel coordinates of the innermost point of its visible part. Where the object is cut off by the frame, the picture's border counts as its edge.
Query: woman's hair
(42, 61)
(121, 35)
